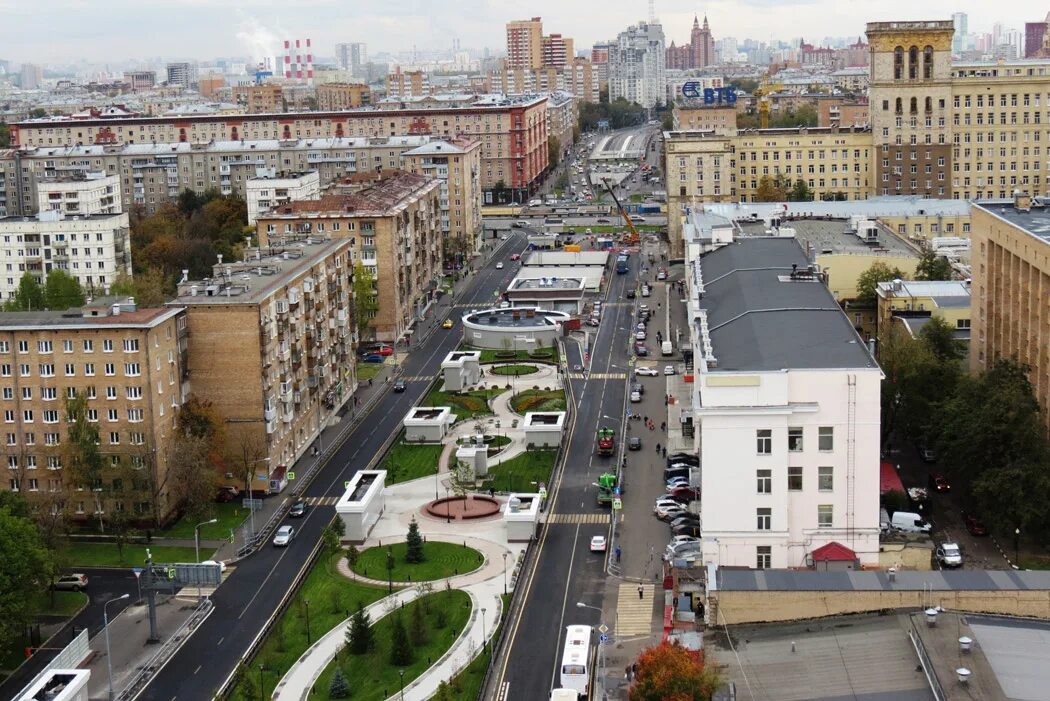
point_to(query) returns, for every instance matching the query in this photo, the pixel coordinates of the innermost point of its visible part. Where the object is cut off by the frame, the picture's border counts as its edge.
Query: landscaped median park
(432, 543)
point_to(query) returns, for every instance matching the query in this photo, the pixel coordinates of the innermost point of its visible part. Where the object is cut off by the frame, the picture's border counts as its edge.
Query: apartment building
(79, 192)
(267, 98)
(720, 119)
(407, 84)
(93, 248)
(273, 188)
(457, 164)
(783, 410)
(140, 80)
(911, 304)
(525, 43)
(182, 74)
(271, 345)
(393, 222)
(1010, 302)
(127, 363)
(342, 96)
(512, 131)
(637, 65)
(557, 50)
(562, 118)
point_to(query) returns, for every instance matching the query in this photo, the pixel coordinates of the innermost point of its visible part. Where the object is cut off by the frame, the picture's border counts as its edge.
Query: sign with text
(710, 96)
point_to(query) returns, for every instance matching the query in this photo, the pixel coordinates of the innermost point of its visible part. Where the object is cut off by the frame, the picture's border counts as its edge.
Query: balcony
(270, 413)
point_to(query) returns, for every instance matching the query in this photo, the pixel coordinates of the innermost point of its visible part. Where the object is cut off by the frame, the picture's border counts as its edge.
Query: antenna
(652, 11)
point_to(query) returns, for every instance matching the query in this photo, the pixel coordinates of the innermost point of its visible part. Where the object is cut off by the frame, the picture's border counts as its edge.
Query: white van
(909, 522)
(667, 348)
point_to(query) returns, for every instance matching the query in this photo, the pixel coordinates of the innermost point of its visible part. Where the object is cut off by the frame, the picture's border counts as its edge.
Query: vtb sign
(710, 96)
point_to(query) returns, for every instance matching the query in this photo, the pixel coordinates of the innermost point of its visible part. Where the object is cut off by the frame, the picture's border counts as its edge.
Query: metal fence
(924, 660)
(69, 658)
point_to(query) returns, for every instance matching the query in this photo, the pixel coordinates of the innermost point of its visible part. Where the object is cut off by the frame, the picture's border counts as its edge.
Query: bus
(576, 660)
(564, 695)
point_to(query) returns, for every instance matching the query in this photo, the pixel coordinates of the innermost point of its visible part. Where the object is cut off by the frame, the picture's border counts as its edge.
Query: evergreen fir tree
(401, 653)
(359, 635)
(414, 542)
(338, 688)
(418, 625)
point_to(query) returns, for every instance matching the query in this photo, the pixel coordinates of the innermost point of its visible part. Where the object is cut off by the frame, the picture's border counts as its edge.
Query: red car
(514, 256)
(974, 525)
(939, 483)
(684, 494)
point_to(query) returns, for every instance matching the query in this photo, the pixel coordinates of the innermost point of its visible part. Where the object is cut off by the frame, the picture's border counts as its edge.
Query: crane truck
(632, 238)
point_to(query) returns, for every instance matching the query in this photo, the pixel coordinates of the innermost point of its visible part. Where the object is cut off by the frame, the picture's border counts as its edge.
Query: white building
(637, 63)
(271, 188)
(92, 248)
(785, 404)
(80, 193)
(182, 74)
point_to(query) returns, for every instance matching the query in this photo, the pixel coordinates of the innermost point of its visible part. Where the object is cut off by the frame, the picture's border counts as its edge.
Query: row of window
(52, 416)
(51, 393)
(825, 480)
(131, 345)
(825, 517)
(70, 369)
(825, 439)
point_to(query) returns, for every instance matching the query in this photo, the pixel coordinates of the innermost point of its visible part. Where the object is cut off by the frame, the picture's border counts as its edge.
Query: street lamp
(306, 602)
(504, 574)
(248, 488)
(484, 638)
(448, 507)
(401, 673)
(105, 624)
(1017, 547)
(197, 536)
(262, 689)
(601, 646)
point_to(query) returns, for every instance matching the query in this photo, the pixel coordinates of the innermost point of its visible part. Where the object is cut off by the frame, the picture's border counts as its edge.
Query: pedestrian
(645, 420)
(663, 426)
(641, 592)
(618, 553)
(665, 451)
(657, 447)
(369, 381)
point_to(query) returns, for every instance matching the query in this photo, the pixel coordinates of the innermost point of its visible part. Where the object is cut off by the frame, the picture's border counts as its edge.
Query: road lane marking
(198, 669)
(564, 603)
(220, 641)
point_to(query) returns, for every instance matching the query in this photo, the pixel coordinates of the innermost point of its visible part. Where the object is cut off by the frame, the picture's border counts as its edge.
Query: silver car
(283, 536)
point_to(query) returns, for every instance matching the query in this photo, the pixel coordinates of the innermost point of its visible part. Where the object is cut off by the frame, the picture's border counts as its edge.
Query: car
(640, 349)
(939, 483)
(661, 274)
(926, 453)
(503, 237)
(640, 326)
(949, 555)
(636, 396)
(520, 224)
(637, 387)
(499, 265)
(666, 512)
(602, 220)
(283, 536)
(446, 324)
(298, 510)
(690, 530)
(637, 218)
(646, 372)
(631, 294)
(372, 358)
(974, 525)
(639, 335)
(400, 386)
(686, 519)
(684, 494)
(643, 309)
(227, 494)
(646, 291)
(385, 350)
(634, 443)
(682, 551)
(679, 539)
(668, 369)
(676, 482)
(71, 582)
(515, 256)
(683, 457)
(598, 544)
(220, 563)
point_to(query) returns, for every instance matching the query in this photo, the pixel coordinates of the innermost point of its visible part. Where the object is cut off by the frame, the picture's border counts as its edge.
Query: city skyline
(202, 30)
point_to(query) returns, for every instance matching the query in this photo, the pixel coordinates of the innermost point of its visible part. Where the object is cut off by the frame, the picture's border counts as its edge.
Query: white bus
(576, 660)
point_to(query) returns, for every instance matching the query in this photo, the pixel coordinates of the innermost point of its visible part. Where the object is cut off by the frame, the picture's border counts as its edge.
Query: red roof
(833, 552)
(889, 480)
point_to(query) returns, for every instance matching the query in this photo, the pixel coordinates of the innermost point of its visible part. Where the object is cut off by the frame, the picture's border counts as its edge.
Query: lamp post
(448, 507)
(306, 602)
(262, 688)
(197, 546)
(105, 624)
(1017, 548)
(401, 673)
(601, 646)
(248, 487)
(504, 574)
(484, 638)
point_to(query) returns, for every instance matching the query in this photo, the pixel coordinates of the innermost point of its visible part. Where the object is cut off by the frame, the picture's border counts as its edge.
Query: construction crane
(762, 93)
(632, 238)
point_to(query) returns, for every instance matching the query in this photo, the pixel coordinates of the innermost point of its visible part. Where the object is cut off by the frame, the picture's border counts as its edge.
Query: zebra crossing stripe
(634, 613)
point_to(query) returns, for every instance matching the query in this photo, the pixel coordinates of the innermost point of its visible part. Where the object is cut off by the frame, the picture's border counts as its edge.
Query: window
(89, 346)
(114, 438)
(47, 370)
(48, 393)
(824, 516)
(107, 346)
(795, 439)
(89, 369)
(23, 346)
(794, 479)
(44, 347)
(765, 519)
(764, 438)
(131, 345)
(765, 481)
(763, 557)
(71, 369)
(826, 439)
(111, 369)
(112, 415)
(136, 415)
(51, 416)
(826, 478)
(132, 369)
(51, 439)
(67, 346)
(133, 392)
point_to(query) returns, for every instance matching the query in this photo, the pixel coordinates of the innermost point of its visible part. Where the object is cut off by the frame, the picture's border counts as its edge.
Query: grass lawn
(514, 370)
(549, 354)
(637, 198)
(332, 597)
(466, 686)
(230, 515)
(409, 461)
(372, 677)
(442, 560)
(108, 555)
(538, 400)
(366, 371)
(521, 472)
(466, 405)
(1034, 562)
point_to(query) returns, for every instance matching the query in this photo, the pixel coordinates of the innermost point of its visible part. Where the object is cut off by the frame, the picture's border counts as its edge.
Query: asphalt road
(255, 586)
(103, 585)
(566, 571)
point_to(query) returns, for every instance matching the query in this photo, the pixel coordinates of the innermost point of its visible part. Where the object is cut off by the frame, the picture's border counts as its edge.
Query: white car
(639, 336)
(669, 369)
(499, 266)
(283, 536)
(598, 544)
(646, 291)
(669, 513)
(679, 539)
(636, 396)
(665, 502)
(647, 372)
(949, 555)
(675, 482)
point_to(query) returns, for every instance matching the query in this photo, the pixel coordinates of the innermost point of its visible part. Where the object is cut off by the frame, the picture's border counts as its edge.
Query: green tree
(414, 544)
(443, 693)
(401, 652)
(82, 445)
(120, 527)
(338, 687)
(24, 569)
(800, 192)
(553, 151)
(29, 297)
(352, 555)
(192, 480)
(939, 336)
(918, 382)
(769, 190)
(62, 291)
(5, 134)
(747, 85)
(360, 638)
(150, 287)
(37, 113)
(330, 538)
(933, 267)
(418, 624)
(868, 281)
(366, 303)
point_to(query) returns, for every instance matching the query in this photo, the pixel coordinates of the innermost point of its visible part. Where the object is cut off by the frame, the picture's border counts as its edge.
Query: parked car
(669, 369)
(646, 291)
(71, 582)
(974, 525)
(637, 387)
(594, 321)
(949, 555)
(631, 294)
(515, 256)
(400, 386)
(666, 512)
(683, 457)
(601, 220)
(675, 540)
(685, 520)
(636, 396)
(689, 530)
(499, 265)
(646, 372)
(939, 483)
(385, 350)
(661, 274)
(283, 536)
(520, 224)
(909, 522)
(926, 453)
(298, 510)
(639, 335)
(227, 494)
(372, 358)
(598, 544)
(640, 349)
(634, 443)
(676, 482)
(685, 494)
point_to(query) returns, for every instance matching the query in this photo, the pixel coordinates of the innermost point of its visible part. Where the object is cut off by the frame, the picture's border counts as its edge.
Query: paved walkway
(492, 565)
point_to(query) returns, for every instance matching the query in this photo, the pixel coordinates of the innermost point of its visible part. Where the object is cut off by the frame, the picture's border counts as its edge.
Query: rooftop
(566, 258)
(1035, 221)
(439, 146)
(117, 312)
(906, 580)
(381, 195)
(883, 206)
(759, 319)
(953, 293)
(545, 283)
(246, 146)
(829, 236)
(516, 317)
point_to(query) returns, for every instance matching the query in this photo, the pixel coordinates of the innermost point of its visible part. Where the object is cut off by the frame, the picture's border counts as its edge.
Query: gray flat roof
(938, 580)
(829, 236)
(1035, 221)
(760, 320)
(545, 283)
(882, 206)
(566, 258)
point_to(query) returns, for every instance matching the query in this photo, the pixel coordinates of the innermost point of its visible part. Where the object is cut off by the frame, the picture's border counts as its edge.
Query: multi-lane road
(256, 585)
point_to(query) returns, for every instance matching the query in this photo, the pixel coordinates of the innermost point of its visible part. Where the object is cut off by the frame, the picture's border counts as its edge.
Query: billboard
(710, 96)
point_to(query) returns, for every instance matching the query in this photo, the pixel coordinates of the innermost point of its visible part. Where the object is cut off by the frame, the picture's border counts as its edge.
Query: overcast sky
(115, 30)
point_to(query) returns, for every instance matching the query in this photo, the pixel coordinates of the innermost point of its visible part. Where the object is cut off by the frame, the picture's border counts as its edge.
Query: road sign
(617, 504)
(137, 571)
(171, 573)
(617, 491)
(253, 504)
(291, 476)
(602, 639)
(603, 629)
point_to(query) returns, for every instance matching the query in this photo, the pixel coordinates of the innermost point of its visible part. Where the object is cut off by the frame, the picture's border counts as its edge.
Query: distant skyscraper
(1035, 38)
(352, 57)
(182, 73)
(962, 27)
(637, 65)
(525, 43)
(32, 77)
(699, 52)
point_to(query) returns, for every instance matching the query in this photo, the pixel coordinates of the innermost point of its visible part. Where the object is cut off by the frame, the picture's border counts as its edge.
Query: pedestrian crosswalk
(578, 518)
(321, 501)
(634, 613)
(417, 378)
(598, 376)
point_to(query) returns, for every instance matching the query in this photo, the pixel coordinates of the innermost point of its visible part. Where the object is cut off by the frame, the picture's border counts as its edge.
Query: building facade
(270, 343)
(182, 74)
(717, 118)
(698, 53)
(267, 98)
(274, 188)
(342, 96)
(637, 65)
(352, 57)
(79, 193)
(525, 43)
(407, 83)
(457, 164)
(127, 365)
(393, 222)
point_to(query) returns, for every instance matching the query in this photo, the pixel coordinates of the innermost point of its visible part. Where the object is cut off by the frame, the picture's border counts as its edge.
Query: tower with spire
(699, 52)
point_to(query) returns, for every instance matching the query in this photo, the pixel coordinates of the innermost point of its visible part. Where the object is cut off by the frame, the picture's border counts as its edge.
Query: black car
(631, 294)
(400, 386)
(634, 443)
(683, 458)
(637, 387)
(690, 529)
(685, 520)
(298, 510)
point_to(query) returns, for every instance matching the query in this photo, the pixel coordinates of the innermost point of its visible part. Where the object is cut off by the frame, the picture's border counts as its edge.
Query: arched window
(913, 63)
(900, 106)
(914, 105)
(929, 105)
(898, 63)
(927, 63)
